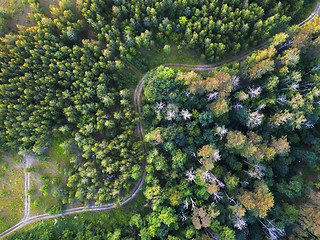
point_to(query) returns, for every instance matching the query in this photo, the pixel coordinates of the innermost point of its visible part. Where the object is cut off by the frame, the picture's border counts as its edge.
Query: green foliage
(4, 166)
(178, 158)
(251, 170)
(45, 188)
(290, 213)
(44, 178)
(167, 50)
(159, 83)
(58, 192)
(59, 207)
(183, 20)
(31, 191)
(55, 80)
(292, 189)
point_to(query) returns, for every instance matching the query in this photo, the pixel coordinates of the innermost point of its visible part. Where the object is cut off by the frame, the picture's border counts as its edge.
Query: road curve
(28, 220)
(137, 102)
(243, 55)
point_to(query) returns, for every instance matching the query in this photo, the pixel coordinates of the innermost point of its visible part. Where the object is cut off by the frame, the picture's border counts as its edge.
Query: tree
(154, 137)
(183, 20)
(261, 68)
(259, 202)
(309, 215)
(178, 158)
(167, 50)
(206, 118)
(290, 57)
(221, 82)
(293, 189)
(280, 118)
(235, 139)
(209, 156)
(231, 181)
(219, 107)
(279, 39)
(281, 145)
(136, 221)
(159, 83)
(175, 197)
(144, 234)
(202, 217)
(254, 119)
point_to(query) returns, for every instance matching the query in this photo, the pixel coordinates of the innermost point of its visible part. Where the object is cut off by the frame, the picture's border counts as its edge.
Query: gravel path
(137, 102)
(28, 160)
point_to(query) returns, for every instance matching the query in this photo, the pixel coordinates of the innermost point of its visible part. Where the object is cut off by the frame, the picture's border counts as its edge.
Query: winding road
(27, 219)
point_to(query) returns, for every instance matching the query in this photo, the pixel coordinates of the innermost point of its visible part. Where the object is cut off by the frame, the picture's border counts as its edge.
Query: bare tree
(159, 106)
(254, 119)
(253, 92)
(212, 96)
(238, 106)
(186, 204)
(272, 231)
(235, 80)
(190, 175)
(239, 223)
(221, 131)
(182, 217)
(186, 114)
(193, 204)
(171, 115)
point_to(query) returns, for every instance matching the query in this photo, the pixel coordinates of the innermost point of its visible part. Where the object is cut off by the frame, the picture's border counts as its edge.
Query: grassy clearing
(158, 57)
(45, 5)
(50, 172)
(19, 11)
(145, 60)
(11, 191)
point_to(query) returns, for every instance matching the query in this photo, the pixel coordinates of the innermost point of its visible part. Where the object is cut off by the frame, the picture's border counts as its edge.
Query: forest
(229, 150)
(232, 153)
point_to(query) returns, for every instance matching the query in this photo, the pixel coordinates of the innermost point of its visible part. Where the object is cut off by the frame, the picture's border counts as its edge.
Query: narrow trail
(27, 219)
(28, 160)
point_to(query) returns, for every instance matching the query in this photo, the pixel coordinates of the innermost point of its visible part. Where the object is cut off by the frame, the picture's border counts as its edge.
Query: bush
(44, 178)
(44, 158)
(167, 50)
(37, 202)
(58, 192)
(55, 180)
(57, 208)
(33, 169)
(4, 166)
(31, 192)
(44, 188)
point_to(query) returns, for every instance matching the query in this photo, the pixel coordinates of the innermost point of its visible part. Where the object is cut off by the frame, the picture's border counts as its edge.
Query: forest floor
(18, 11)
(12, 191)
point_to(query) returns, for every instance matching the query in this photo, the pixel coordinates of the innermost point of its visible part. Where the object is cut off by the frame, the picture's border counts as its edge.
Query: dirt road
(137, 102)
